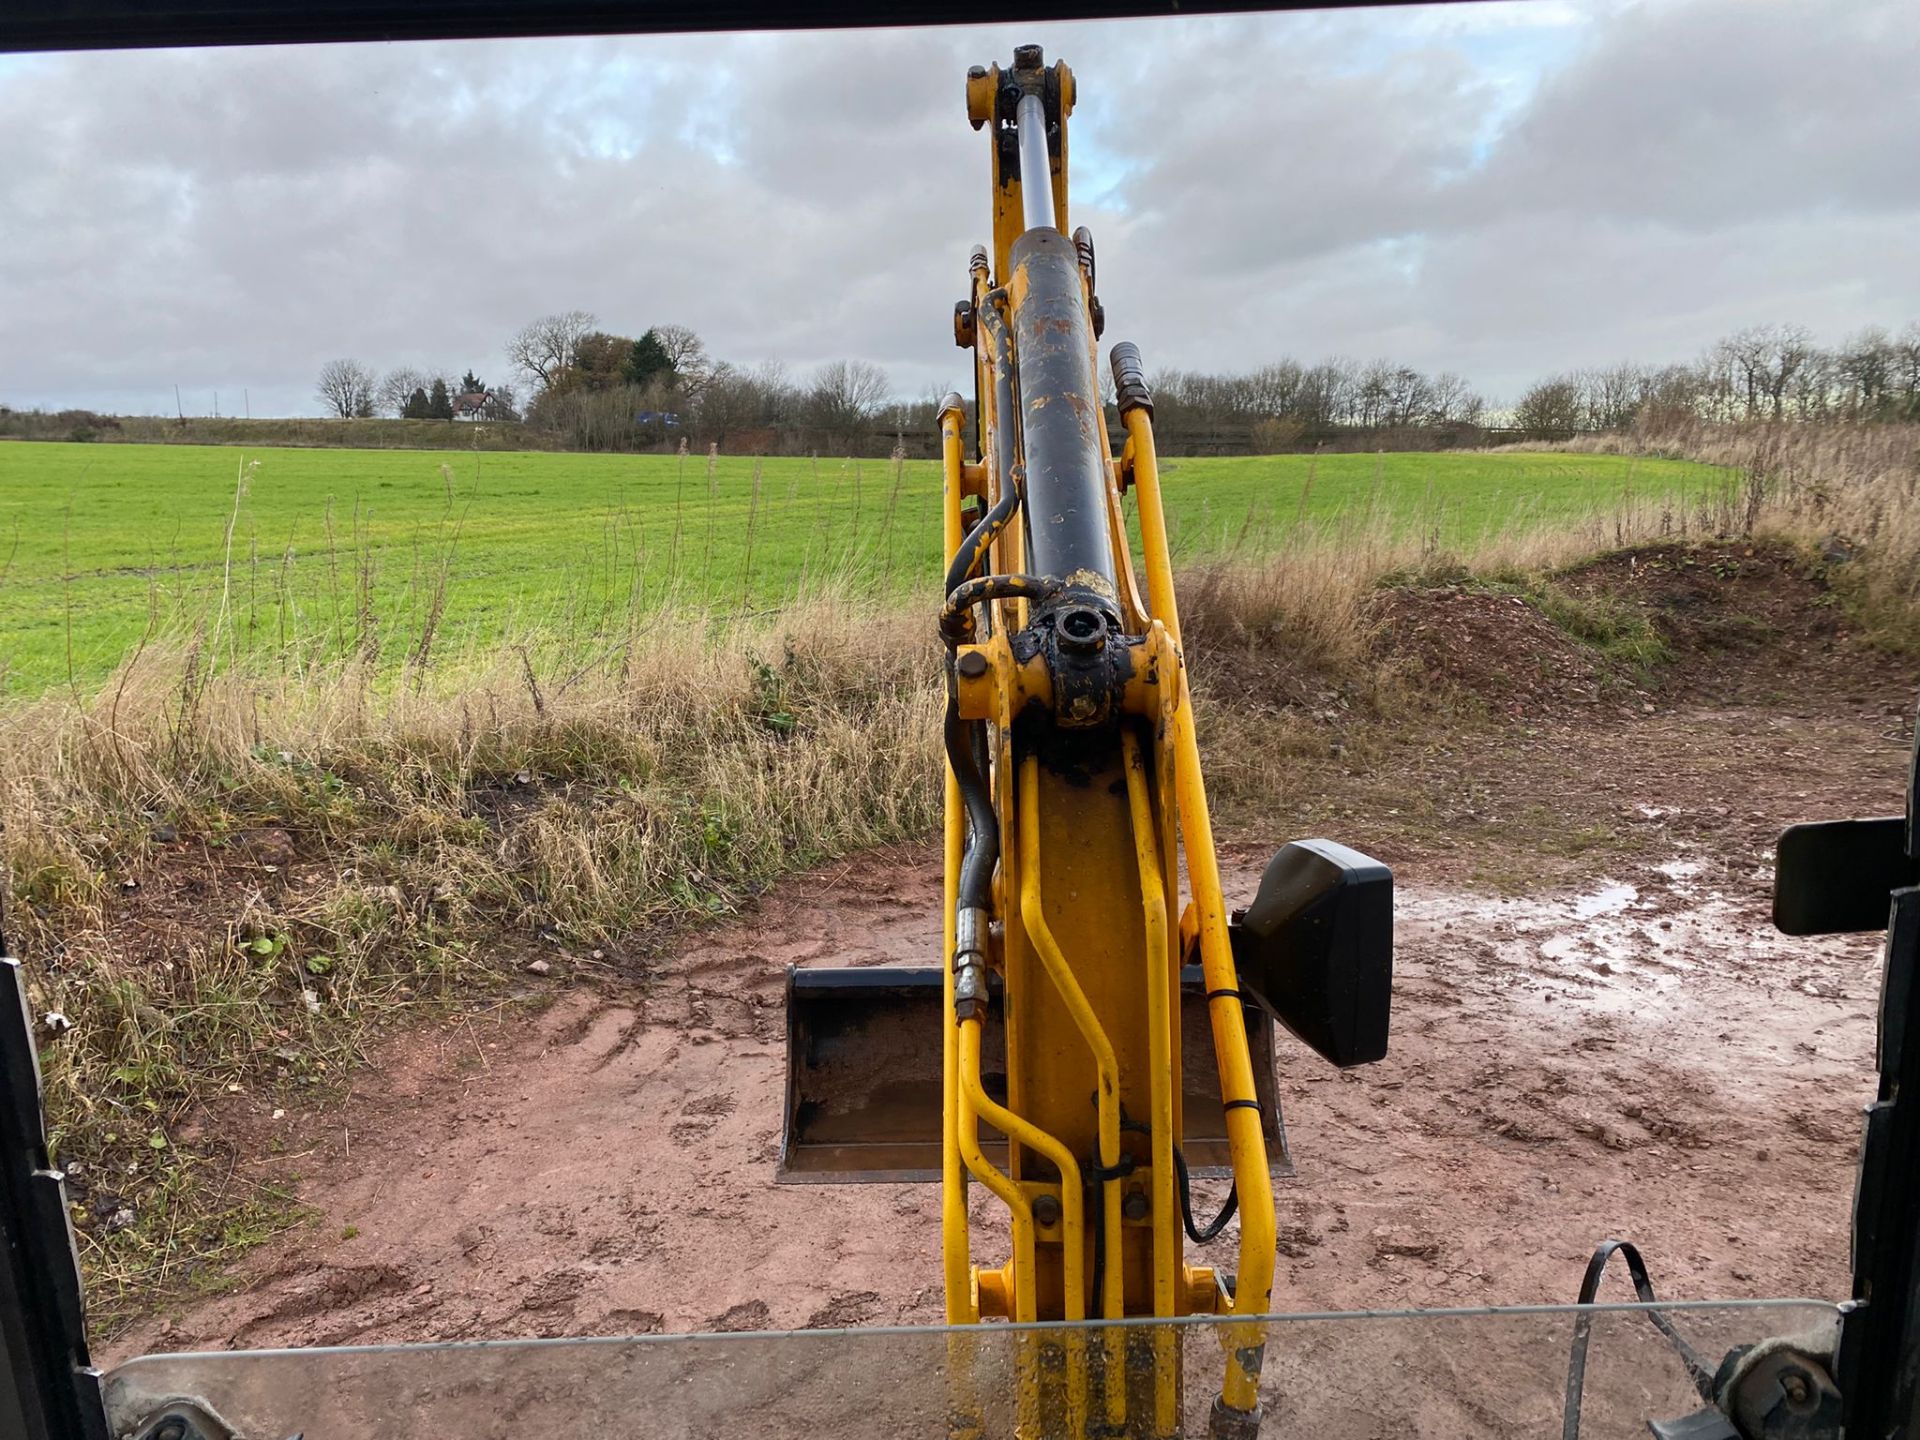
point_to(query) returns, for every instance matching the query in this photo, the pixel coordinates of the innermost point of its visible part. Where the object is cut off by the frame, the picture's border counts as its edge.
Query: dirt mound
(1742, 623)
(1731, 621)
(1497, 648)
(1760, 599)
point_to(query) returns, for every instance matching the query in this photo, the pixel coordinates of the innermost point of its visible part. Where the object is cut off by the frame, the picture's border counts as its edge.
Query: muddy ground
(1596, 1033)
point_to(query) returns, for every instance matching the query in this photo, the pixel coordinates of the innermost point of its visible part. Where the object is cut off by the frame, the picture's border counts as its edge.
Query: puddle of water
(1607, 900)
(1613, 950)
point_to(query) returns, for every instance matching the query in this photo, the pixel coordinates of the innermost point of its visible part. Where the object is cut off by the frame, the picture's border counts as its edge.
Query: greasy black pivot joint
(1082, 628)
(1075, 631)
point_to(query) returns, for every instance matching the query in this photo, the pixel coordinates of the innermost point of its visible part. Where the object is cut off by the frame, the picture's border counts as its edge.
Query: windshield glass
(1434, 1373)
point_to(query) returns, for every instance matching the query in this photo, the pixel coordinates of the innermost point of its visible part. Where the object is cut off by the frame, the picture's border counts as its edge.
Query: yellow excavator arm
(1073, 780)
(1106, 1031)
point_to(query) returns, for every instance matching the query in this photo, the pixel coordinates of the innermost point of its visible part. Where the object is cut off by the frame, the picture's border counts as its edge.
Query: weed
(1623, 634)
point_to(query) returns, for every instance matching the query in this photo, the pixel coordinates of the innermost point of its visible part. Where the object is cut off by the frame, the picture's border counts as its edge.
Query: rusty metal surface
(1060, 414)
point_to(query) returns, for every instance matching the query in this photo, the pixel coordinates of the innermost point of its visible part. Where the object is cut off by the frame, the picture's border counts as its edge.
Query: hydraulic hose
(1201, 1235)
(1006, 410)
(973, 550)
(983, 842)
(956, 616)
(1583, 1331)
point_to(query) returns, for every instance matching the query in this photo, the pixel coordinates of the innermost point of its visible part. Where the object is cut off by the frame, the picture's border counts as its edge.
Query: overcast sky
(1497, 189)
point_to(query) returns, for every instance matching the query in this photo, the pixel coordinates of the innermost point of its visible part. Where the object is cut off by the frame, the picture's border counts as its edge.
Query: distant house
(472, 404)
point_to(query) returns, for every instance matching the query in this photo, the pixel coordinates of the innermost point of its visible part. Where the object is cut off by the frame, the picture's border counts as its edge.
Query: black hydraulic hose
(1583, 1331)
(1227, 1211)
(956, 616)
(973, 550)
(983, 843)
(1005, 384)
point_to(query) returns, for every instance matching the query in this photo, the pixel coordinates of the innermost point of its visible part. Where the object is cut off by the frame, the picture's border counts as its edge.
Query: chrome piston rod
(1036, 174)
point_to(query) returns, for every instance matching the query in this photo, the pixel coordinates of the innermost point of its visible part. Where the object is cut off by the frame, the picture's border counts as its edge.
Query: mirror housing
(1316, 947)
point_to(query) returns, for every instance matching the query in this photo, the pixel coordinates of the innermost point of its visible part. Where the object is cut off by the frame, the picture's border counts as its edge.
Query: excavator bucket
(863, 1076)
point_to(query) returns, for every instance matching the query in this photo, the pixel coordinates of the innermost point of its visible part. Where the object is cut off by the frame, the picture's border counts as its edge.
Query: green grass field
(406, 553)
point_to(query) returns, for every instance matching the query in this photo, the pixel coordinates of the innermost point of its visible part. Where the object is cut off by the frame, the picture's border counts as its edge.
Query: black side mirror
(1316, 946)
(1838, 876)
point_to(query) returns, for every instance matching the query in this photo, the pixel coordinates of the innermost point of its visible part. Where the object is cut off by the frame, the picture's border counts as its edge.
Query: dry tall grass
(1850, 491)
(227, 877)
(314, 853)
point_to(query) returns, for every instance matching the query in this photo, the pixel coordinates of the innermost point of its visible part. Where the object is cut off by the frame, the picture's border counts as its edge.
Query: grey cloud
(1446, 186)
(1711, 114)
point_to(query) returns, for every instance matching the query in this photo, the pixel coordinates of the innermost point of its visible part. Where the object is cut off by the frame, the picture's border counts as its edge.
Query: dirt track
(1641, 1057)
(1623, 1048)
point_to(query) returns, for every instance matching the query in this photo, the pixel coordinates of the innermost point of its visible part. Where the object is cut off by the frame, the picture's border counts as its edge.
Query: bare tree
(549, 346)
(684, 348)
(346, 388)
(1409, 397)
(846, 396)
(1373, 387)
(1273, 389)
(1864, 369)
(398, 385)
(1327, 393)
(1610, 396)
(1454, 401)
(1554, 404)
(1905, 369)
(1791, 351)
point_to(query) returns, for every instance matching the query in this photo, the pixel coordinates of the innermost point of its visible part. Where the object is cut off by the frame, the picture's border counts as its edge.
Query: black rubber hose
(973, 550)
(983, 841)
(956, 616)
(1005, 384)
(1227, 1211)
(1583, 1331)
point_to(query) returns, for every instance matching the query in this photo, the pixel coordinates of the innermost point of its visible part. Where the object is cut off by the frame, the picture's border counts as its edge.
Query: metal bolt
(971, 664)
(1028, 57)
(976, 72)
(1046, 1210)
(1794, 1384)
(1134, 1207)
(963, 324)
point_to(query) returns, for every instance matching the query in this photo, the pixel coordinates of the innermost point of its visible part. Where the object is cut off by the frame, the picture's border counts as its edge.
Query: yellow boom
(1103, 1034)
(1072, 687)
